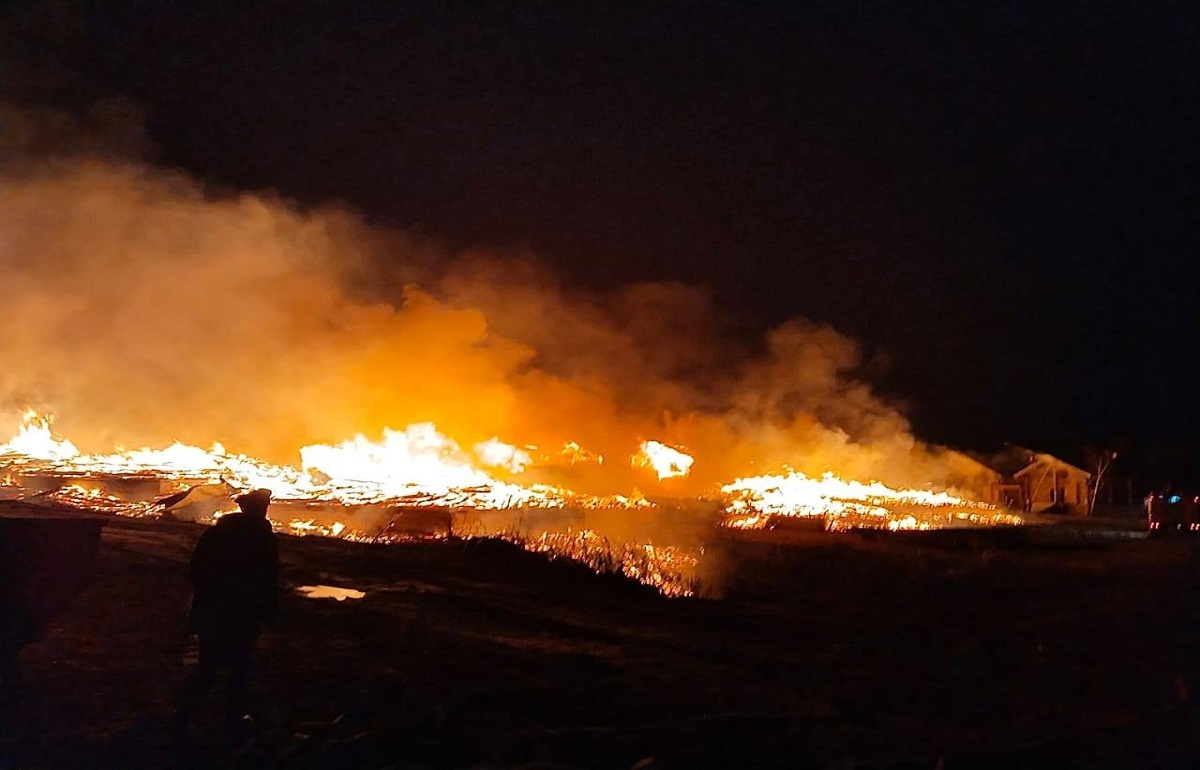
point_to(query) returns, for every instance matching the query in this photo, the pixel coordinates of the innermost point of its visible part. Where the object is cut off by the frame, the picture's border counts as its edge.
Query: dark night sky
(1001, 201)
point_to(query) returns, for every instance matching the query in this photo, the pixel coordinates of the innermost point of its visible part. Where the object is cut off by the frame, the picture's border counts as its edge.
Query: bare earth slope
(830, 652)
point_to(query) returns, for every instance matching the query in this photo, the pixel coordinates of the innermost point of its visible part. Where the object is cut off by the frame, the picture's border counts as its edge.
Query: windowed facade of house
(1032, 481)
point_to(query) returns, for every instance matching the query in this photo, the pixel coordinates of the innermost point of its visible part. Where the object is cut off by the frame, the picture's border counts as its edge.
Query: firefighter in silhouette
(234, 571)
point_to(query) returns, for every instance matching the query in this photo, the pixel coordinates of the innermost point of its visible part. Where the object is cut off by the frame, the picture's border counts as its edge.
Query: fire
(418, 461)
(494, 453)
(666, 568)
(667, 461)
(147, 310)
(573, 454)
(34, 440)
(845, 504)
(421, 469)
(418, 465)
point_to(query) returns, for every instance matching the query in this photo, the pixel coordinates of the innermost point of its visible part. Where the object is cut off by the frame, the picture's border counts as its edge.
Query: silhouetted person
(234, 571)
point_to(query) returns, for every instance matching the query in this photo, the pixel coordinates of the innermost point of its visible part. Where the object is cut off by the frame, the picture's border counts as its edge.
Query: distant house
(1050, 483)
(1034, 482)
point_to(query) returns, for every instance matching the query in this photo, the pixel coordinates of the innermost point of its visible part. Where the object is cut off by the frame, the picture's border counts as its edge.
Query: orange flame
(666, 461)
(754, 500)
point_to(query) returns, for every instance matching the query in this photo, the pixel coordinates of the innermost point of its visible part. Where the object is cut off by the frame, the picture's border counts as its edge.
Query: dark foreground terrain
(831, 652)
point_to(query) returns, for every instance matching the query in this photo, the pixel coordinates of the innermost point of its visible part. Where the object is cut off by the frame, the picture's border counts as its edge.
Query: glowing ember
(329, 592)
(668, 462)
(747, 520)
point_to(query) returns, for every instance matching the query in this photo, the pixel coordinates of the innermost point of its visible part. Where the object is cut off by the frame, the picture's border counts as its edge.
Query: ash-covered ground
(830, 651)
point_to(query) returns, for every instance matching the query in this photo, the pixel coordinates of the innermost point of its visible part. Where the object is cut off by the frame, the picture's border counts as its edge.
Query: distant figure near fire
(234, 571)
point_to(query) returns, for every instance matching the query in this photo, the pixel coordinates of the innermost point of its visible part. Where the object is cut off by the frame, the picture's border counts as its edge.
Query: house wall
(1050, 487)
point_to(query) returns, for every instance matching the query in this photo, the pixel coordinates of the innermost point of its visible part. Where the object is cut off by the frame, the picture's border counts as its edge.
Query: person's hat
(255, 499)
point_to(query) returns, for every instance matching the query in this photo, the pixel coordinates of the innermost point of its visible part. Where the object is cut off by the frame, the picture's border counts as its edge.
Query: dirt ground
(828, 652)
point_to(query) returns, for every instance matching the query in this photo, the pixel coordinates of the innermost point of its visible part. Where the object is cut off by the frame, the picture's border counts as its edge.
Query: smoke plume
(140, 307)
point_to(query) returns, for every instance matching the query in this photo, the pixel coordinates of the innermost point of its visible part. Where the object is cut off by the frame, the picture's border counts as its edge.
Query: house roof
(1007, 461)
(1017, 461)
(1041, 459)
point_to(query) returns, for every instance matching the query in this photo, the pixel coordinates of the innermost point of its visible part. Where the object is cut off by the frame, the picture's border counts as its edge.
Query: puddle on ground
(329, 592)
